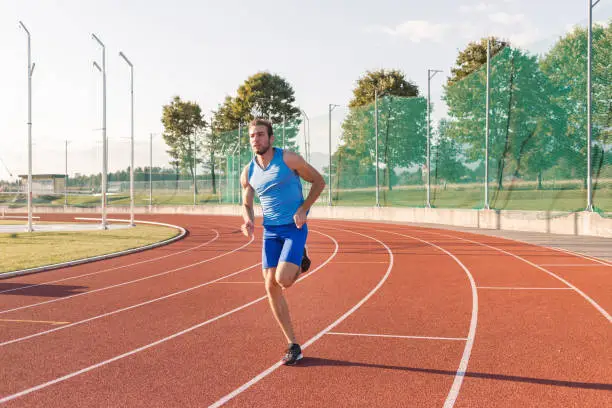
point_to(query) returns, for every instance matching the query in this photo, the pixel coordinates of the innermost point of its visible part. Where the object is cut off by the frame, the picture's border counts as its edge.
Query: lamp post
(104, 147)
(122, 55)
(430, 74)
(329, 187)
(30, 72)
(589, 106)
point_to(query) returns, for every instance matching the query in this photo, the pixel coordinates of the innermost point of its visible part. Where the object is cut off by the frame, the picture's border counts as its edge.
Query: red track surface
(169, 328)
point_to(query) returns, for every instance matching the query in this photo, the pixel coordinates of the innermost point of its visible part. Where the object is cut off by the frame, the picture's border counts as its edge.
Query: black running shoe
(294, 354)
(305, 263)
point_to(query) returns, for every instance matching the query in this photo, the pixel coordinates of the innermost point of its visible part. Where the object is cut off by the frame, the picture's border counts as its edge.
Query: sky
(203, 50)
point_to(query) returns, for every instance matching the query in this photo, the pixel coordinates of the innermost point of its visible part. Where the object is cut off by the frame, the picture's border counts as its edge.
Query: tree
(401, 124)
(183, 125)
(522, 119)
(473, 57)
(263, 95)
(565, 66)
(447, 159)
(387, 82)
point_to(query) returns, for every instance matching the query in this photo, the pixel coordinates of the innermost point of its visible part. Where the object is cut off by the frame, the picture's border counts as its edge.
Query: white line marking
(519, 288)
(117, 267)
(128, 282)
(6, 343)
(33, 321)
(398, 337)
(255, 283)
(575, 265)
(467, 350)
(160, 341)
(567, 251)
(270, 370)
(584, 295)
(354, 262)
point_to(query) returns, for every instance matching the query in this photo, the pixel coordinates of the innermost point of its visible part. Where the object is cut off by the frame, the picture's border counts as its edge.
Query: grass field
(465, 196)
(29, 250)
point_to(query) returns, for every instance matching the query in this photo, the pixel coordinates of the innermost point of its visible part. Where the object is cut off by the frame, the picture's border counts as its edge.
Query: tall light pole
(66, 179)
(122, 55)
(376, 145)
(284, 122)
(589, 107)
(430, 74)
(104, 147)
(329, 187)
(487, 125)
(195, 168)
(239, 161)
(30, 72)
(306, 135)
(150, 172)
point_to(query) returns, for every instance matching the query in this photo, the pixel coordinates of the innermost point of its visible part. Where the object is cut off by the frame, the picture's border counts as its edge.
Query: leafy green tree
(473, 57)
(522, 119)
(401, 124)
(263, 95)
(565, 66)
(183, 127)
(447, 159)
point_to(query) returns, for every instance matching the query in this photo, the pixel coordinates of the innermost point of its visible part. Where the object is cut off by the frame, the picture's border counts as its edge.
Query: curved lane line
(128, 282)
(273, 368)
(581, 293)
(160, 341)
(116, 267)
(467, 350)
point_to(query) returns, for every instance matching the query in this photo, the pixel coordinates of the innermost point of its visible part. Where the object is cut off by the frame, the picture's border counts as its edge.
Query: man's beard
(262, 150)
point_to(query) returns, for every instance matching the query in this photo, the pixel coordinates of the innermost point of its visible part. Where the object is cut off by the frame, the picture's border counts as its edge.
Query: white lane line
(270, 370)
(575, 265)
(117, 267)
(128, 282)
(114, 312)
(563, 250)
(33, 321)
(254, 283)
(567, 251)
(160, 341)
(398, 337)
(520, 288)
(581, 293)
(467, 350)
(355, 262)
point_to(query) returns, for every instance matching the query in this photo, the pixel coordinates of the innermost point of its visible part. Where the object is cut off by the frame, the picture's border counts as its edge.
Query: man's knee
(286, 275)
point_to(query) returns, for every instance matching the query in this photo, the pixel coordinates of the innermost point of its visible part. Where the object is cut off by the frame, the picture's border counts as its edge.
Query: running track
(389, 315)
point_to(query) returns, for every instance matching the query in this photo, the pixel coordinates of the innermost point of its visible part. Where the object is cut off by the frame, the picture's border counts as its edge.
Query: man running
(274, 174)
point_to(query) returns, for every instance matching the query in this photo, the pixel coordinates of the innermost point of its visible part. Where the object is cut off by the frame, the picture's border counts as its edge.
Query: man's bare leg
(276, 298)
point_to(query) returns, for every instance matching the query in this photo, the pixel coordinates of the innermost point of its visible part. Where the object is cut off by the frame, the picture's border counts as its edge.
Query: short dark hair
(262, 122)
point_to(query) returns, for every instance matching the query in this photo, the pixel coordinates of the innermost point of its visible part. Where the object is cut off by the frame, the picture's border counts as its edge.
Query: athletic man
(274, 174)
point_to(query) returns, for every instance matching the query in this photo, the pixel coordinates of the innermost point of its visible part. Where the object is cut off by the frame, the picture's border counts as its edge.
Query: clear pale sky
(203, 50)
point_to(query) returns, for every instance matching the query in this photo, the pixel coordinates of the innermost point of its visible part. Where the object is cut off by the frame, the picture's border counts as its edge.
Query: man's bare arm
(308, 173)
(248, 213)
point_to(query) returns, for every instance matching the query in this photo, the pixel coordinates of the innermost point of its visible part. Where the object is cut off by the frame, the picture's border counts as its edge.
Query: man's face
(260, 141)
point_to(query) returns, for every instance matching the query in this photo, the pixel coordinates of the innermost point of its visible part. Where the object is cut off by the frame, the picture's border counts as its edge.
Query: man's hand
(300, 217)
(247, 229)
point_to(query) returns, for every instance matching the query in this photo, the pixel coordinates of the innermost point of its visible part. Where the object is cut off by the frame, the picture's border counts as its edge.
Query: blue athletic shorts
(283, 243)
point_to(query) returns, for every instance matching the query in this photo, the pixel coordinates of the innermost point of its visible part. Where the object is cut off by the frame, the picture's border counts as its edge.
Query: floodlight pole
(376, 145)
(104, 146)
(589, 107)
(30, 72)
(122, 55)
(329, 187)
(430, 74)
(487, 126)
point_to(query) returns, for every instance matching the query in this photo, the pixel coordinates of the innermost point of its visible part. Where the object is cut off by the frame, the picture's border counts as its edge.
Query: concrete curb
(181, 235)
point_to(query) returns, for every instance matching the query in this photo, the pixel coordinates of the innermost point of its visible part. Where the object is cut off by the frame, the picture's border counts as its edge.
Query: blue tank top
(279, 189)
